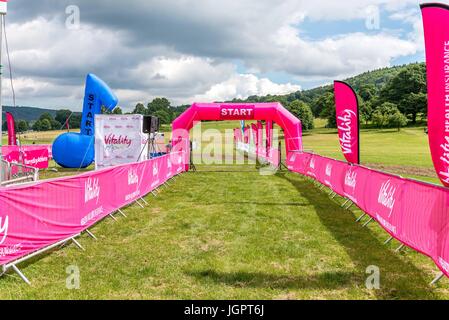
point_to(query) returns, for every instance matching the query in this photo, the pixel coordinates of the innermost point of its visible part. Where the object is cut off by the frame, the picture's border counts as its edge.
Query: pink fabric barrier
(37, 215)
(270, 155)
(413, 212)
(36, 156)
(39, 147)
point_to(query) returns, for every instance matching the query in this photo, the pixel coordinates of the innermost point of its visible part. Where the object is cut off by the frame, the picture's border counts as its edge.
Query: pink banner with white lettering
(347, 113)
(436, 33)
(413, 212)
(37, 156)
(37, 215)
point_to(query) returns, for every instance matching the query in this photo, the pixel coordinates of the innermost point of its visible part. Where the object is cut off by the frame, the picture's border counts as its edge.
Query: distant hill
(376, 78)
(29, 114)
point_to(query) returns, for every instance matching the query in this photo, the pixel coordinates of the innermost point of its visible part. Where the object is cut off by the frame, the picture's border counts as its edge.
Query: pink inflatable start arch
(236, 111)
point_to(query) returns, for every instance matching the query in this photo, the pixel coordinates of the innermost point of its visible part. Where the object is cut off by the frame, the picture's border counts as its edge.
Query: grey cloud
(119, 40)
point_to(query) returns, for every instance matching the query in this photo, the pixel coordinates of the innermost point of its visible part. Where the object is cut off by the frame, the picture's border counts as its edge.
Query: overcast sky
(201, 50)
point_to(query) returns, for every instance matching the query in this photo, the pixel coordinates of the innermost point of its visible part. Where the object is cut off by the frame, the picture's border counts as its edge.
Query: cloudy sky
(201, 50)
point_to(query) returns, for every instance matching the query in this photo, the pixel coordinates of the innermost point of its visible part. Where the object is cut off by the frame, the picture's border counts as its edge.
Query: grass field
(227, 232)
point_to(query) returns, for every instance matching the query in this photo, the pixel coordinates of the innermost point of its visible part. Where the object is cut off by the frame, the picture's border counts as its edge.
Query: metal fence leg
(388, 240)
(349, 205)
(144, 201)
(153, 193)
(113, 218)
(399, 248)
(344, 203)
(437, 278)
(21, 275)
(78, 244)
(335, 194)
(137, 201)
(360, 218)
(121, 212)
(367, 222)
(91, 234)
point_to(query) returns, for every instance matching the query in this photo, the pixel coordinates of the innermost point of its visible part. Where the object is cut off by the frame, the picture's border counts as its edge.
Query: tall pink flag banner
(37, 215)
(413, 212)
(436, 34)
(347, 113)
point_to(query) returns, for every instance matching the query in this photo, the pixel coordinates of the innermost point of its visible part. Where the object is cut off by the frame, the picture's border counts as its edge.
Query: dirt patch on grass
(403, 170)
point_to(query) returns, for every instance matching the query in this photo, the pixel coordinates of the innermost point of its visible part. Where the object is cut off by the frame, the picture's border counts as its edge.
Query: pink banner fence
(36, 156)
(35, 216)
(413, 212)
(270, 155)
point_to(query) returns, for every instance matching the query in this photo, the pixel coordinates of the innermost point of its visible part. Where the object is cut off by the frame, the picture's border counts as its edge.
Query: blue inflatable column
(76, 150)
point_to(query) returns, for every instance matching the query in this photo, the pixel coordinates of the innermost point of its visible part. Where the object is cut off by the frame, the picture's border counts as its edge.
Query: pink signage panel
(36, 215)
(415, 213)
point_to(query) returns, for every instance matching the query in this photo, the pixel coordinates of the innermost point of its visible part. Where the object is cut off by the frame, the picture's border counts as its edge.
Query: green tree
(140, 109)
(366, 112)
(117, 110)
(47, 116)
(53, 124)
(62, 115)
(22, 126)
(367, 91)
(158, 104)
(42, 125)
(323, 104)
(399, 90)
(413, 104)
(328, 111)
(46, 125)
(273, 98)
(75, 120)
(397, 120)
(302, 110)
(163, 115)
(37, 126)
(385, 115)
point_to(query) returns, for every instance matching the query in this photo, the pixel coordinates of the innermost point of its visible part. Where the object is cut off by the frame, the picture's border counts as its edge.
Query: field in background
(405, 152)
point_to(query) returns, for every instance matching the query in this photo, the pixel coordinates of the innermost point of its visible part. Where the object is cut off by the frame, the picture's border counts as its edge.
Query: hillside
(376, 78)
(29, 114)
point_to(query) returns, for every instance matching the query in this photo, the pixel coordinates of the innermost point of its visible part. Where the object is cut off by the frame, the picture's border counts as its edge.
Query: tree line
(388, 98)
(161, 108)
(47, 122)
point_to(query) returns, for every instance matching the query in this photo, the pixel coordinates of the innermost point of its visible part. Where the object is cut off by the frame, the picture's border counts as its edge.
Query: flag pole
(3, 10)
